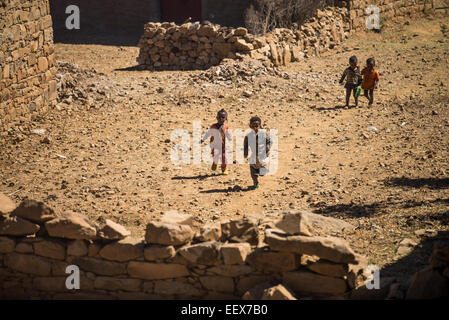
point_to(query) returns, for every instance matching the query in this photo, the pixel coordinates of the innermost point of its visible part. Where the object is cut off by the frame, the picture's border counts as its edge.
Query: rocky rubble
(199, 46)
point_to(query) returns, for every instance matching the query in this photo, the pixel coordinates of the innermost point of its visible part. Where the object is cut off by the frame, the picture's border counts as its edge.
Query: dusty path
(110, 158)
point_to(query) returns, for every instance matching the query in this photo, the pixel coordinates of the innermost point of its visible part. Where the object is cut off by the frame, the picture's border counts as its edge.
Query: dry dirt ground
(109, 156)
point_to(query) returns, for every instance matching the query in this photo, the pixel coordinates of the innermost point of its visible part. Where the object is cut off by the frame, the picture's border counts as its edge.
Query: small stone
(11, 225)
(168, 234)
(235, 253)
(77, 248)
(278, 292)
(159, 252)
(6, 204)
(123, 250)
(34, 211)
(71, 226)
(113, 231)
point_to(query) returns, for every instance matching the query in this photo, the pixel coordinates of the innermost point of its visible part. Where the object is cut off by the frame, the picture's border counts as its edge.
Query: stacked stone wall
(27, 60)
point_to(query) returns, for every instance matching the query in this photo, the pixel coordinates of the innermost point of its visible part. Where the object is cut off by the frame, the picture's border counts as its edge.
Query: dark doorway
(179, 10)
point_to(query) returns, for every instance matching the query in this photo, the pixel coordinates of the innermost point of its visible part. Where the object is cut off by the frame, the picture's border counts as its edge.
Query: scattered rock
(6, 204)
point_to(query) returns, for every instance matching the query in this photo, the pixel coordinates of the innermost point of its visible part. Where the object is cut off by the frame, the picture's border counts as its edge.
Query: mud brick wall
(27, 59)
(174, 260)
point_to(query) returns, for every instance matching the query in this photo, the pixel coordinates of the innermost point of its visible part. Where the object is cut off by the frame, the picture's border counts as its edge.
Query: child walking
(218, 133)
(353, 80)
(260, 143)
(370, 80)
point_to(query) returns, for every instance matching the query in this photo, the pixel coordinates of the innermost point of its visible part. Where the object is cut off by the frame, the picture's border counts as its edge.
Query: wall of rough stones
(292, 257)
(27, 59)
(199, 46)
(388, 9)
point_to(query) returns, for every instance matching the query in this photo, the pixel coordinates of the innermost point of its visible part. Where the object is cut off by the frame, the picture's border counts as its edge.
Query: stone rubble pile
(167, 46)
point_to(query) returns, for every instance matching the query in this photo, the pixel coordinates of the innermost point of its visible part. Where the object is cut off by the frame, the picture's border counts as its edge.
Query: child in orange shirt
(370, 80)
(218, 133)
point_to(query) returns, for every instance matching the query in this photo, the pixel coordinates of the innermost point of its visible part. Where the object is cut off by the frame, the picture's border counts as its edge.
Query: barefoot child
(370, 80)
(353, 80)
(218, 133)
(259, 143)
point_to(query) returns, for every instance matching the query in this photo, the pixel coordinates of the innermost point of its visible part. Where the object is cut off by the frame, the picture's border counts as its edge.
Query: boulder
(168, 234)
(123, 250)
(6, 204)
(328, 248)
(71, 226)
(11, 225)
(207, 253)
(235, 253)
(34, 211)
(112, 231)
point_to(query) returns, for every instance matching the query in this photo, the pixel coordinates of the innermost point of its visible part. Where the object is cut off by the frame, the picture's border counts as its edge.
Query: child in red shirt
(218, 133)
(370, 80)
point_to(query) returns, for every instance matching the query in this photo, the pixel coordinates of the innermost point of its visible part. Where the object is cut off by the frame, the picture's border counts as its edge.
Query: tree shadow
(366, 210)
(432, 183)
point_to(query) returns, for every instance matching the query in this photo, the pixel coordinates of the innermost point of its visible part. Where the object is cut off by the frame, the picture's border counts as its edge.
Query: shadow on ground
(432, 183)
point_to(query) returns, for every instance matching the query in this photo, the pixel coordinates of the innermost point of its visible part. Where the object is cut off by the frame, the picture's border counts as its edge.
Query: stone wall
(199, 46)
(104, 17)
(27, 59)
(292, 257)
(388, 9)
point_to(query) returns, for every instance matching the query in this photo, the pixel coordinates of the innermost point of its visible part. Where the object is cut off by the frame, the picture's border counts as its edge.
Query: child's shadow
(199, 177)
(228, 190)
(335, 108)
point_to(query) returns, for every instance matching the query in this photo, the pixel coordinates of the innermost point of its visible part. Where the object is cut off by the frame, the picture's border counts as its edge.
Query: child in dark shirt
(353, 80)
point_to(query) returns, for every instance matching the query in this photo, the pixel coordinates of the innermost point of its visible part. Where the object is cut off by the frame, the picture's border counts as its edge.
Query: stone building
(127, 18)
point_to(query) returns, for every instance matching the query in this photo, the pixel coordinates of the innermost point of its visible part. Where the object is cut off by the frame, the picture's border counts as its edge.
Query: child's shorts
(351, 86)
